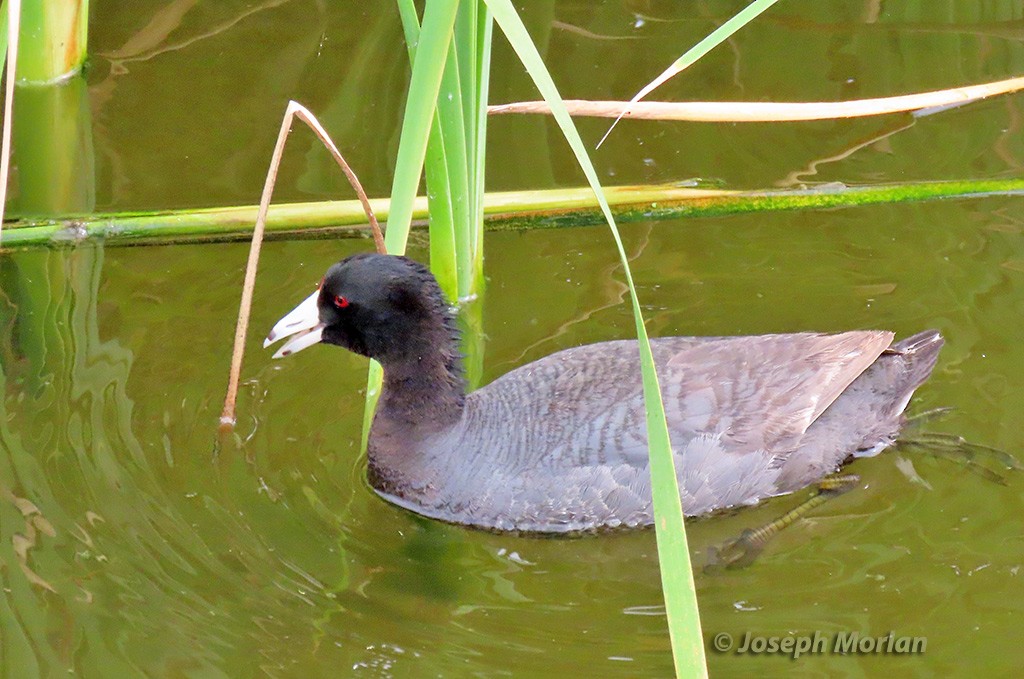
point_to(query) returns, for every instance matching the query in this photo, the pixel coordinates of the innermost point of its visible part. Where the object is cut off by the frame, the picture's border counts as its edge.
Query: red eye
(340, 302)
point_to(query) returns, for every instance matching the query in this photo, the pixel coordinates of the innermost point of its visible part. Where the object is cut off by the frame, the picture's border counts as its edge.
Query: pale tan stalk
(294, 110)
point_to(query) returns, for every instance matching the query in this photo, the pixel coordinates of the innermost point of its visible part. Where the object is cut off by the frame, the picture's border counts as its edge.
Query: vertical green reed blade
(448, 169)
(478, 137)
(468, 34)
(439, 190)
(454, 165)
(3, 31)
(452, 121)
(465, 40)
(674, 558)
(427, 70)
(441, 214)
(431, 50)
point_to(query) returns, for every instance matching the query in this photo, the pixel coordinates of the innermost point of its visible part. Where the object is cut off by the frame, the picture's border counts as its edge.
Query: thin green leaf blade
(3, 30)
(695, 53)
(436, 163)
(451, 118)
(428, 67)
(674, 559)
(485, 32)
(440, 214)
(428, 50)
(713, 40)
(465, 41)
(410, 26)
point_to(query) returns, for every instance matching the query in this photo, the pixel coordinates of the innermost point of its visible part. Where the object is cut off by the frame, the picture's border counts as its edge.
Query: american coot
(560, 444)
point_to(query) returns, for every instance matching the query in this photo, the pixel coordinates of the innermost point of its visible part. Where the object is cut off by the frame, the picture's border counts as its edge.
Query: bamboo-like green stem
(502, 210)
(53, 150)
(478, 143)
(11, 10)
(54, 35)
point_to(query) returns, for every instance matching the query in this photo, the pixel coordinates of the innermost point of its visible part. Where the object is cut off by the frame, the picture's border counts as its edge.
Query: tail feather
(915, 359)
(918, 342)
(920, 352)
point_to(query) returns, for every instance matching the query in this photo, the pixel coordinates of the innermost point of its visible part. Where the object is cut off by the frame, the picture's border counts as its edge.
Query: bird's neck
(424, 393)
(421, 400)
(424, 390)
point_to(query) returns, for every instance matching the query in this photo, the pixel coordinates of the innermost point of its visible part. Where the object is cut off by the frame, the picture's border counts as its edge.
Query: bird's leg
(956, 448)
(741, 551)
(961, 451)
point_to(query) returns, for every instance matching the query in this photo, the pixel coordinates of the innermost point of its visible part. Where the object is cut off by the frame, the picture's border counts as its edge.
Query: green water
(130, 547)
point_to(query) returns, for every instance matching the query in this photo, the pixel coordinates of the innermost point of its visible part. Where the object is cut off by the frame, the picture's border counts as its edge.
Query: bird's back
(560, 444)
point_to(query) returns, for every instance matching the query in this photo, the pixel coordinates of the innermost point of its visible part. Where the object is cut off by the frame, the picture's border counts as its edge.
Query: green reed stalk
(442, 236)
(54, 34)
(454, 158)
(429, 49)
(53, 150)
(443, 126)
(474, 27)
(453, 163)
(462, 106)
(552, 208)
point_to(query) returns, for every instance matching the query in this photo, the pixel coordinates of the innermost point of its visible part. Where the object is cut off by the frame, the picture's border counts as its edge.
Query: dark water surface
(127, 548)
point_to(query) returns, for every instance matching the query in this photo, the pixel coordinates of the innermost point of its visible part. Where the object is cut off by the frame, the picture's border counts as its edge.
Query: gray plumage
(560, 444)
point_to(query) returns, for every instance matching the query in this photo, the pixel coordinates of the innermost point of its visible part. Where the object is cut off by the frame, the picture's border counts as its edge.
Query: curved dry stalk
(294, 110)
(303, 114)
(921, 103)
(13, 26)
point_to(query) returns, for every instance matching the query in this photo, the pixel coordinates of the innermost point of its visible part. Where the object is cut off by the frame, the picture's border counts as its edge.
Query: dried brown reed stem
(294, 110)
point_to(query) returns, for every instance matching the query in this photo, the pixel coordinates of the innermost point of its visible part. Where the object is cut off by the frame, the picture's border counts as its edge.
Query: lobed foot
(741, 551)
(738, 552)
(969, 455)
